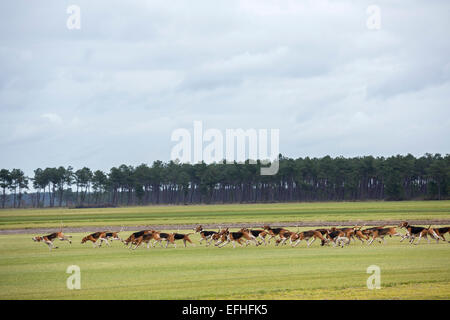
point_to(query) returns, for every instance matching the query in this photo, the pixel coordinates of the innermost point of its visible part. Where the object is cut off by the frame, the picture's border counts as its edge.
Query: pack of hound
(337, 237)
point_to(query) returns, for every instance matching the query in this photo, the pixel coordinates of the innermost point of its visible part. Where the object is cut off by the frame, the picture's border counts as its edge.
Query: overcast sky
(113, 91)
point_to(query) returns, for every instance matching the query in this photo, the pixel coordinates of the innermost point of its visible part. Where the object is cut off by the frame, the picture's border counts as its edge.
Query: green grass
(29, 271)
(285, 212)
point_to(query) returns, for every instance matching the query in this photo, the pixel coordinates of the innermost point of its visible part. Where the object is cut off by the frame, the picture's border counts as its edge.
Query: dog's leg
(438, 236)
(50, 245)
(296, 243)
(420, 237)
(311, 241)
(66, 238)
(264, 240)
(104, 240)
(224, 243)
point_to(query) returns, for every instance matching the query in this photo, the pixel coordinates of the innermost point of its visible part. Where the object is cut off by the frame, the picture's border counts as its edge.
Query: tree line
(303, 179)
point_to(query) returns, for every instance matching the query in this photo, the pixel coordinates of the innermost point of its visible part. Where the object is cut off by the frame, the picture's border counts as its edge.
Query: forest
(303, 179)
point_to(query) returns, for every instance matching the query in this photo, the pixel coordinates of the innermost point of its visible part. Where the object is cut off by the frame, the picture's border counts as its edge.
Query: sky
(114, 90)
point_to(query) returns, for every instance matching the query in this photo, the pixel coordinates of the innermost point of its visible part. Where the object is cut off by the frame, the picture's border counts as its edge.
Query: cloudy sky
(113, 91)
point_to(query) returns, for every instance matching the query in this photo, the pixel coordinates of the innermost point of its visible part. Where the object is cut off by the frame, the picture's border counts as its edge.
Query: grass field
(28, 270)
(209, 214)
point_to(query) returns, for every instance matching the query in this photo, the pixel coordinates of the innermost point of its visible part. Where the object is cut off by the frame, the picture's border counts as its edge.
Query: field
(222, 214)
(28, 270)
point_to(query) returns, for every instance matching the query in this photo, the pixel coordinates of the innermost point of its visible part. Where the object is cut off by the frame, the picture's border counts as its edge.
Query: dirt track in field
(433, 222)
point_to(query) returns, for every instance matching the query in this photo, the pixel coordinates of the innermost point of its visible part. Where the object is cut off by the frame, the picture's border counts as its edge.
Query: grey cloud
(113, 91)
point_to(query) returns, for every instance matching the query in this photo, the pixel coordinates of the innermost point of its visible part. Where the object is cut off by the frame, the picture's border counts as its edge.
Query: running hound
(132, 238)
(231, 237)
(412, 232)
(260, 234)
(48, 240)
(205, 235)
(307, 235)
(97, 239)
(112, 235)
(380, 234)
(292, 236)
(338, 237)
(163, 236)
(249, 237)
(273, 232)
(441, 232)
(145, 238)
(184, 237)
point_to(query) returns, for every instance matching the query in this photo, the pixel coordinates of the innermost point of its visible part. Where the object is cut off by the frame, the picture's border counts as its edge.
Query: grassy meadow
(28, 270)
(210, 214)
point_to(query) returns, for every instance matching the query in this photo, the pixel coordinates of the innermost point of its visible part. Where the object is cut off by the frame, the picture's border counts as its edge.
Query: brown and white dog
(412, 232)
(112, 236)
(239, 236)
(292, 236)
(274, 232)
(441, 232)
(163, 236)
(218, 237)
(349, 232)
(357, 233)
(97, 239)
(184, 237)
(381, 233)
(134, 236)
(338, 237)
(259, 234)
(205, 235)
(307, 235)
(249, 237)
(48, 239)
(145, 238)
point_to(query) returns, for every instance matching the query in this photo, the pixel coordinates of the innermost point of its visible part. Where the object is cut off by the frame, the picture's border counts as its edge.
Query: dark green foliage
(303, 179)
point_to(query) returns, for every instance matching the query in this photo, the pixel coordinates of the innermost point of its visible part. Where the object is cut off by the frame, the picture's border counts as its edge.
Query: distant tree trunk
(4, 198)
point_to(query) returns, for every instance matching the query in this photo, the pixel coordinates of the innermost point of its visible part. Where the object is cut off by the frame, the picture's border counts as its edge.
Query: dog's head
(404, 224)
(295, 236)
(198, 228)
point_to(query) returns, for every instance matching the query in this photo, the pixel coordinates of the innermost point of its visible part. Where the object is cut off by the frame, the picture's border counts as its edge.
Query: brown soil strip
(230, 225)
